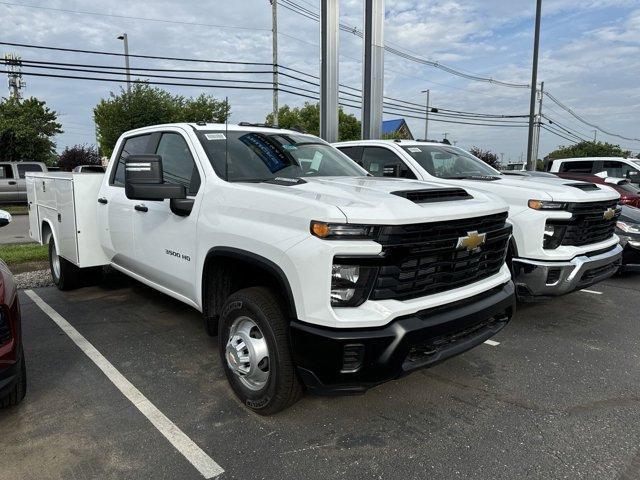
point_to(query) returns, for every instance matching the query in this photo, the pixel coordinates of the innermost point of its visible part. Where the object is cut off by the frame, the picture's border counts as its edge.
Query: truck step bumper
(340, 361)
(534, 278)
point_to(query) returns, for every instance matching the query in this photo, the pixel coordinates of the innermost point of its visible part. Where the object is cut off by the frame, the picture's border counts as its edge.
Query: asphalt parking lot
(558, 397)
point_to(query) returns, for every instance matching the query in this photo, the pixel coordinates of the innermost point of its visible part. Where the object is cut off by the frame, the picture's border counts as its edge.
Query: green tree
(146, 105)
(307, 119)
(486, 156)
(588, 149)
(27, 129)
(77, 155)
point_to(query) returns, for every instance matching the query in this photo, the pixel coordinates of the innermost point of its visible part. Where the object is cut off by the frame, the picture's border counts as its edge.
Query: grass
(20, 209)
(17, 253)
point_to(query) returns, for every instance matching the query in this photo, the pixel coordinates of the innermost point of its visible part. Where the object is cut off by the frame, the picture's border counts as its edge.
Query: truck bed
(66, 203)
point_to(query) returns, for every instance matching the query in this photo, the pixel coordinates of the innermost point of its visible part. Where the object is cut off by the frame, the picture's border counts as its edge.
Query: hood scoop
(584, 186)
(434, 195)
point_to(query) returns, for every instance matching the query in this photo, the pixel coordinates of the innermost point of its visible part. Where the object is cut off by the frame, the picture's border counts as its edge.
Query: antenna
(226, 139)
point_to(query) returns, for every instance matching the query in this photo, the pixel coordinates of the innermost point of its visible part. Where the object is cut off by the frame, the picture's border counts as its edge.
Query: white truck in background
(563, 230)
(311, 272)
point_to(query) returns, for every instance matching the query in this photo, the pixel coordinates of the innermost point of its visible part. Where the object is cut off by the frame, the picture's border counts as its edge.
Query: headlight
(553, 234)
(351, 284)
(628, 227)
(342, 231)
(546, 205)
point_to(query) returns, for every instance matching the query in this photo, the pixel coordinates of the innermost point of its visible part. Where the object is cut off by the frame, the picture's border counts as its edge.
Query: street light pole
(531, 162)
(426, 117)
(125, 39)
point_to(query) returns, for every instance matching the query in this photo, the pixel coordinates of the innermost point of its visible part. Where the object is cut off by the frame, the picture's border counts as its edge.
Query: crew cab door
(115, 211)
(8, 183)
(165, 242)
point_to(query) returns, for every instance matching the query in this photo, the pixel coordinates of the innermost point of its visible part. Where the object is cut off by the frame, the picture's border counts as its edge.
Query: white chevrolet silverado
(563, 230)
(310, 271)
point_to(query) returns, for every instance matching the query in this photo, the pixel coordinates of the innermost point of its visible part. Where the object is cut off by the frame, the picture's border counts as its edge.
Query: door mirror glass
(5, 218)
(143, 179)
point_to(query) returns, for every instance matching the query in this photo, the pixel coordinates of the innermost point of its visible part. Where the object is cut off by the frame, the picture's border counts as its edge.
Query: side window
(28, 167)
(177, 162)
(382, 162)
(616, 169)
(576, 167)
(354, 153)
(6, 172)
(132, 146)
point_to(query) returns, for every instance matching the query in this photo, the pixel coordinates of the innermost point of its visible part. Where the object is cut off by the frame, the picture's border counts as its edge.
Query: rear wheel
(19, 390)
(64, 273)
(255, 352)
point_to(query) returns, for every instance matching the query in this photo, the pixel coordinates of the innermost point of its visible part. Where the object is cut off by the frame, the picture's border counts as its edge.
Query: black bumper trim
(415, 341)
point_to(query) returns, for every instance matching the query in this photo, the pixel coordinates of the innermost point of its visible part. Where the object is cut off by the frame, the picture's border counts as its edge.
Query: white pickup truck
(309, 270)
(563, 230)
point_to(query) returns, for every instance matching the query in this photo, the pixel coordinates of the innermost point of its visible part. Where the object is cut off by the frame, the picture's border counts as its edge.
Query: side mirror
(5, 218)
(143, 179)
(390, 170)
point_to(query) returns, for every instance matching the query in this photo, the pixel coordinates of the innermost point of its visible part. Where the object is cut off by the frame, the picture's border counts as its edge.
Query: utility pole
(329, 32)
(538, 125)
(426, 117)
(274, 49)
(125, 39)
(14, 75)
(595, 136)
(373, 69)
(531, 164)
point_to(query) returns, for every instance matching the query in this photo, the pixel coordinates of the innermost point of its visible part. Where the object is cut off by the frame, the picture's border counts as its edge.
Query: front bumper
(534, 278)
(350, 361)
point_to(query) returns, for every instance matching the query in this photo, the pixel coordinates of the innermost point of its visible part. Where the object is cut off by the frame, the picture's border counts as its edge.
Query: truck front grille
(589, 224)
(423, 259)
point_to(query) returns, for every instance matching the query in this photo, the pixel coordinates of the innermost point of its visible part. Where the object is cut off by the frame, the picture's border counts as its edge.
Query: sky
(589, 58)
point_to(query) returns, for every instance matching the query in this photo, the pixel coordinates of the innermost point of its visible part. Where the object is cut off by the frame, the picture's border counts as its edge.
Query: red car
(13, 377)
(629, 195)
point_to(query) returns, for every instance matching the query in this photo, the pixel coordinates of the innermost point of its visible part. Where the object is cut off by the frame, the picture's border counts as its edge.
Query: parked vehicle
(628, 229)
(628, 168)
(89, 169)
(629, 194)
(12, 183)
(309, 270)
(563, 231)
(13, 375)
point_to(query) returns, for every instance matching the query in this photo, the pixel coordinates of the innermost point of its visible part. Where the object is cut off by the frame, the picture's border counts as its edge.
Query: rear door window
(577, 167)
(132, 146)
(28, 167)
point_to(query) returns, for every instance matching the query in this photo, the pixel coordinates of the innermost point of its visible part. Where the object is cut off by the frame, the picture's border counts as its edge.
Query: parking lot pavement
(558, 397)
(17, 231)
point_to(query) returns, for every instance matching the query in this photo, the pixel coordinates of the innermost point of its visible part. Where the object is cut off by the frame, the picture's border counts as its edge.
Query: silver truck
(13, 188)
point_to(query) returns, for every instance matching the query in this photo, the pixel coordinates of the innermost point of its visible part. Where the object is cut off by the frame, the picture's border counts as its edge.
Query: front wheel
(254, 349)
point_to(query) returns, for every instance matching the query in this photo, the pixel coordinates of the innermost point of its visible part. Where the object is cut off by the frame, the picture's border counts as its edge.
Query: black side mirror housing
(143, 179)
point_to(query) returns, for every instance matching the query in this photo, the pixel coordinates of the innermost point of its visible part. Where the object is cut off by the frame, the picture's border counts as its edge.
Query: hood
(371, 199)
(518, 189)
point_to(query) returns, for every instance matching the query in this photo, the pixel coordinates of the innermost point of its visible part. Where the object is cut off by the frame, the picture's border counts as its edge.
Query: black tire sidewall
(52, 247)
(239, 306)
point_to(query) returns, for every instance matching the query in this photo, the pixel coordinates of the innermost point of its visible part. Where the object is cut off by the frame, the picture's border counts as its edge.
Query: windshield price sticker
(215, 136)
(414, 150)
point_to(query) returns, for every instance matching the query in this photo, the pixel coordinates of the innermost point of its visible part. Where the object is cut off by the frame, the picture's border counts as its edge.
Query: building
(396, 128)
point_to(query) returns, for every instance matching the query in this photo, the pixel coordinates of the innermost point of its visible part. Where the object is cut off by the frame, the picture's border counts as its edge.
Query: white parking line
(192, 452)
(493, 343)
(591, 291)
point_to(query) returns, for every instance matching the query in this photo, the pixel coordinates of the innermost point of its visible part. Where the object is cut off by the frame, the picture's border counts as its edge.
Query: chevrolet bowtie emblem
(609, 213)
(472, 241)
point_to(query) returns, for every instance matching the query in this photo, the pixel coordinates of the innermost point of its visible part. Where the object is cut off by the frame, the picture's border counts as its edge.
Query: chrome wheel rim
(247, 353)
(55, 262)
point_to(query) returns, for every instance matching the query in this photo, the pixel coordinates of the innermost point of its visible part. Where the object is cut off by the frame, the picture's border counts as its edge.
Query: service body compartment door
(32, 203)
(67, 231)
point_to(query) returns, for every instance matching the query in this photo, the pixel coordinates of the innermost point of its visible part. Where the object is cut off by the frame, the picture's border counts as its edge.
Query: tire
(241, 313)
(16, 395)
(65, 274)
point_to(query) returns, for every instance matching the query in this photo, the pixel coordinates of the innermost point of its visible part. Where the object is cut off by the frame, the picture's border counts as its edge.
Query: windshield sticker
(414, 150)
(289, 147)
(214, 136)
(374, 167)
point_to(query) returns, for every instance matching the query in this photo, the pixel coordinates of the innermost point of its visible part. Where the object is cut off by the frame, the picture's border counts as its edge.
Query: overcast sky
(589, 58)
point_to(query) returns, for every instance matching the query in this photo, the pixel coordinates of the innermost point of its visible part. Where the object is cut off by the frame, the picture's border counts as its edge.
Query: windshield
(256, 156)
(449, 162)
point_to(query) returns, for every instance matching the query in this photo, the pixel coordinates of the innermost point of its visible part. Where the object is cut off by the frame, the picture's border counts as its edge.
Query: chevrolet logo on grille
(609, 213)
(472, 241)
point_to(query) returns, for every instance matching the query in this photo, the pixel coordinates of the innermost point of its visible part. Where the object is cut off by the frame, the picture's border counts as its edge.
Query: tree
(77, 155)
(27, 129)
(307, 119)
(588, 149)
(486, 156)
(146, 105)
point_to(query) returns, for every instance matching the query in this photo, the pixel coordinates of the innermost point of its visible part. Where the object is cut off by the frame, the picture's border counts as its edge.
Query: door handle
(141, 208)
(103, 200)
(12, 182)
